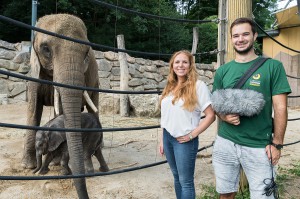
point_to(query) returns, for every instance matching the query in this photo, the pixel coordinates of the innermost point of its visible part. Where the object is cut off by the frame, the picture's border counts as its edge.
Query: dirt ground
(121, 150)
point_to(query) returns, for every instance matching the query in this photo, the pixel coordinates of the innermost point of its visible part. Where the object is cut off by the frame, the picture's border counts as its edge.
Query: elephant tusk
(56, 103)
(89, 101)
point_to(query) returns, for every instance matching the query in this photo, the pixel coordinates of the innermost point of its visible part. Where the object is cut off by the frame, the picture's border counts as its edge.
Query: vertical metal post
(33, 15)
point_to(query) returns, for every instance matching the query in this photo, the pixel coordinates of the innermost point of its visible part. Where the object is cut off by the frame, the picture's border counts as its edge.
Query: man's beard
(245, 51)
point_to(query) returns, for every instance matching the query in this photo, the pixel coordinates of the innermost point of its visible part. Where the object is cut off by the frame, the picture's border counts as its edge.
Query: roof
(288, 17)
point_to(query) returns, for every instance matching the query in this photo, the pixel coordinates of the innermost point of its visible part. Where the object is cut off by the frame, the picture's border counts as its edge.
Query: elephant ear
(35, 63)
(55, 140)
(87, 58)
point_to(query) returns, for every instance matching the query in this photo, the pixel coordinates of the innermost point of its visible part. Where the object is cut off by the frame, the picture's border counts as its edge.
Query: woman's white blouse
(178, 121)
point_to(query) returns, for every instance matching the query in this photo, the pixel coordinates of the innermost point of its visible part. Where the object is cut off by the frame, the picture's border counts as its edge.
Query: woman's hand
(183, 139)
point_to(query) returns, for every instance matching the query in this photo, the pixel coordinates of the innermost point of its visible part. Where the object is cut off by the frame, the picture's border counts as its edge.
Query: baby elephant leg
(88, 164)
(99, 156)
(45, 166)
(64, 162)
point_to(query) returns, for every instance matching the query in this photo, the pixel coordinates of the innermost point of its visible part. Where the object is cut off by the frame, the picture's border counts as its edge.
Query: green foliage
(262, 12)
(208, 40)
(296, 169)
(209, 192)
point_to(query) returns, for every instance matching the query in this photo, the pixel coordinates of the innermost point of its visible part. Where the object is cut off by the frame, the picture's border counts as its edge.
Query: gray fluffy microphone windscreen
(244, 102)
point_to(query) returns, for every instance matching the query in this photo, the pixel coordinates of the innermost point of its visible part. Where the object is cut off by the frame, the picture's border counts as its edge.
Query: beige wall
(289, 37)
(291, 60)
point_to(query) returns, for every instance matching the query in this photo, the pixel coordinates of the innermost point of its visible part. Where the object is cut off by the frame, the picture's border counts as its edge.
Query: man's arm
(280, 123)
(280, 117)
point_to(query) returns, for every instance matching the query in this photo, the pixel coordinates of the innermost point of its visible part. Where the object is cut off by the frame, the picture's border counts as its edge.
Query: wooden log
(195, 40)
(124, 76)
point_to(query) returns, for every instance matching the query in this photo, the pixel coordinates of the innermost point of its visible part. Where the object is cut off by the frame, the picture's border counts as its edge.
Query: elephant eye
(45, 50)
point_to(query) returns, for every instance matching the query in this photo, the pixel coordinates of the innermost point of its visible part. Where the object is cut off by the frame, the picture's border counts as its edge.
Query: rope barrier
(293, 77)
(17, 126)
(151, 15)
(293, 96)
(293, 119)
(74, 87)
(90, 175)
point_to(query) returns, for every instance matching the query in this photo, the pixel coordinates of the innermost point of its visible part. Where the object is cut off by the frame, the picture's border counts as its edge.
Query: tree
(18, 10)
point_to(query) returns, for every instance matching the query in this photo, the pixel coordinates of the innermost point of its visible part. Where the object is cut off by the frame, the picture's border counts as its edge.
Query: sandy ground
(121, 150)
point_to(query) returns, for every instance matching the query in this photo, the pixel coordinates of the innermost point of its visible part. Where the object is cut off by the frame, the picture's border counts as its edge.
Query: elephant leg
(100, 158)
(34, 114)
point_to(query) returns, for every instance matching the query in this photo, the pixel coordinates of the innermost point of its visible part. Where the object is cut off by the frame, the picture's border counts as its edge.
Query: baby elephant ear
(55, 139)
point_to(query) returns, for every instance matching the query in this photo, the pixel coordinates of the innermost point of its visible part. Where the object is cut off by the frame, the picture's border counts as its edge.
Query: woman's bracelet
(190, 136)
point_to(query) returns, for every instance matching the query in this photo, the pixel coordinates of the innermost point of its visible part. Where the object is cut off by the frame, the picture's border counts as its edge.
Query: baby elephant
(53, 145)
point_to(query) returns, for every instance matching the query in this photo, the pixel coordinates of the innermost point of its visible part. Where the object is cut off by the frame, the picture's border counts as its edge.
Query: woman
(183, 100)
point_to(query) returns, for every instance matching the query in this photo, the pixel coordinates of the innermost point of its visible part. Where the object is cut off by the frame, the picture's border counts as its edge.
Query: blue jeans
(181, 158)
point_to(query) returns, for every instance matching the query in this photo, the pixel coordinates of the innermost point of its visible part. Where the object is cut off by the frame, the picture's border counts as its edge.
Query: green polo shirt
(270, 79)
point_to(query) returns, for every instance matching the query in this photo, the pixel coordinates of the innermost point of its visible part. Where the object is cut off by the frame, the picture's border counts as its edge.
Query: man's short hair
(241, 21)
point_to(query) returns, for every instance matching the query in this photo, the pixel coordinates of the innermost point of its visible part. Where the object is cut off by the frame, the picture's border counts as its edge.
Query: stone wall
(144, 75)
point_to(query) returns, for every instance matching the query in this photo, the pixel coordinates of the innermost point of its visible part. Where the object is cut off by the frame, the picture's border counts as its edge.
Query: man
(248, 142)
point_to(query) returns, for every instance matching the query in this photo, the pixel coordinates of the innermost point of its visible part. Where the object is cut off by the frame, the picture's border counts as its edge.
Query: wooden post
(222, 34)
(124, 76)
(195, 40)
(236, 9)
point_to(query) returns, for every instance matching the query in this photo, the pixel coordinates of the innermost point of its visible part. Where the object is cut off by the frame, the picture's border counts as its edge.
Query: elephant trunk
(39, 162)
(71, 103)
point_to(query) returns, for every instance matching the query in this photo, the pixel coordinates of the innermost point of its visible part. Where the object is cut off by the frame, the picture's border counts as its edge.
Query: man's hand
(230, 118)
(275, 154)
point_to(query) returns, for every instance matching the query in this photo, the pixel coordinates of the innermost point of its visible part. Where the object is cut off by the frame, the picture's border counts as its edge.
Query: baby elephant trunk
(39, 162)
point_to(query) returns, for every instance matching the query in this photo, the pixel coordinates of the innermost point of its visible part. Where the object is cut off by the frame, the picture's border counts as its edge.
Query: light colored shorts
(228, 158)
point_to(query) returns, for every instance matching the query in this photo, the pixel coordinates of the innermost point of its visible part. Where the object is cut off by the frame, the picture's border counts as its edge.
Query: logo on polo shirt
(255, 80)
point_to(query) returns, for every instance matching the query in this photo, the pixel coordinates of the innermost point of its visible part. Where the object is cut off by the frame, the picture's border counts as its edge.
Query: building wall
(289, 37)
(291, 60)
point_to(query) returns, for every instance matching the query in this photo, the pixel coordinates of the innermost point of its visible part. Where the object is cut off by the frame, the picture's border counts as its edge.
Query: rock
(16, 88)
(143, 105)
(24, 68)
(115, 71)
(111, 56)
(7, 54)
(135, 82)
(99, 54)
(103, 74)
(104, 65)
(109, 103)
(9, 65)
(7, 45)
(104, 83)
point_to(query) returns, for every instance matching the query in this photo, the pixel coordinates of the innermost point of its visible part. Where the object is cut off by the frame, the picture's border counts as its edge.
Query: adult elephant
(64, 62)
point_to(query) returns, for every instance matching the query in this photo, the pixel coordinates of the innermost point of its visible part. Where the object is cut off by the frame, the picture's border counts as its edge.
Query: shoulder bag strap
(250, 71)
